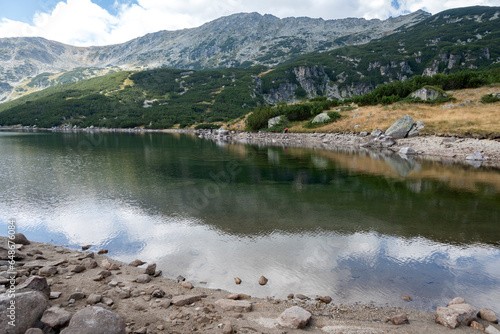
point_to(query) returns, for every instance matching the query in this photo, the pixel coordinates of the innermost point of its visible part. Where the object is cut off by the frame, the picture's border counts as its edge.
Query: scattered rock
(301, 296)
(455, 315)
(34, 331)
(427, 94)
(136, 263)
(180, 279)
(234, 305)
(102, 251)
(290, 296)
(187, 285)
(150, 269)
(78, 269)
(457, 300)
(143, 278)
(84, 248)
(19, 238)
(321, 118)
(476, 156)
(47, 271)
(407, 151)
(237, 280)
(89, 263)
(94, 299)
(325, 299)
(488, 315)
(227, 328)
(476, 325)
(376, 133)
(295, 317)
(186, 299)
(105, 264)
(55, 295)
(158, 293)
(56, 317)
(30, 306)
(263, 280)
(407, 298)
(114, 266)
(95, 320)
(400, 319)
(77, 295)
(233, 296)
(37, 283)
(491, 330)
(401, 127)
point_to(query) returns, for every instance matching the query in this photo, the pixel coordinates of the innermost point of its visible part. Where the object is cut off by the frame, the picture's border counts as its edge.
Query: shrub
(490, 98)
(258, 119)
(207, 126)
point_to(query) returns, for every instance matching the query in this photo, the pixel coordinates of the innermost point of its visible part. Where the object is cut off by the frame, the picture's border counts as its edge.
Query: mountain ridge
(237, 40)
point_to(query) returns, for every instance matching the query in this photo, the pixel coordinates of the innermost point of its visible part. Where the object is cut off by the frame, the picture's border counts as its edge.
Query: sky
(105, 22)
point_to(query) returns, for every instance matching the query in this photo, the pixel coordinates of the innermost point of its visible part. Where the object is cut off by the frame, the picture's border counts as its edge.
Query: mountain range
(224, 69)
(239, 40)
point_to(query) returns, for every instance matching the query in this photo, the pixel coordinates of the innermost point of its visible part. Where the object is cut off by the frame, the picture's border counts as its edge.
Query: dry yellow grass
(473, 118)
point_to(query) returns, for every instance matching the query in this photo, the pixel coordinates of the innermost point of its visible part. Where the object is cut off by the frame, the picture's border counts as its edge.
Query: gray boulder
(476, 156)
(295, 317)
(56, 317)
(274, 121)
(95, 320)
(37, 283)
(19, 238)
(455, 315)
(29, 307)
(488, 315)
(321, 118)
(427, 94)
(401, 127)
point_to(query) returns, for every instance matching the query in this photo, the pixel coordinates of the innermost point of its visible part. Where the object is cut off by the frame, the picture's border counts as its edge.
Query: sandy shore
(150, 307)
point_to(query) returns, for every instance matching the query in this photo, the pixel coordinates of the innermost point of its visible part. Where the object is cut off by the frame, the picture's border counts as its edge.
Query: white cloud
(84, 23)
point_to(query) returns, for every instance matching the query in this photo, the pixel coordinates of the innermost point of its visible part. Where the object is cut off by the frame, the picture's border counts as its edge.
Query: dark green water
(355, 227)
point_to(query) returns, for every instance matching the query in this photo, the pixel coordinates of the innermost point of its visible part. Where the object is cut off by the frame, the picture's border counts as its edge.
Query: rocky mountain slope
(239, 40)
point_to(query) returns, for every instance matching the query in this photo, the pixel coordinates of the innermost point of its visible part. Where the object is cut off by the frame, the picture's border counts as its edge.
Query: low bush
(490, 98)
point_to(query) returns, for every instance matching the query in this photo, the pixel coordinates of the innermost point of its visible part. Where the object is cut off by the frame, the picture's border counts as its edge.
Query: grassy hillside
(156, 99)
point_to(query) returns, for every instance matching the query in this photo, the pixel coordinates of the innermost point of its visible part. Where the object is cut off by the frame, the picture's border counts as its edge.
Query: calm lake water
(359, 228)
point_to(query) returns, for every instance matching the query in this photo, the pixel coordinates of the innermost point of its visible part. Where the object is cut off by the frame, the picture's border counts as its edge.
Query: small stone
(455, 315)
(150, 269)
(105, 264)
(47, 271)
(89, 263)
(114, 266)
(113, 283)
(488, 315)
(59, 249)
(400, 319)
(227, 328)
(301, 296)
(158, 293)
(290, 296)
(180, 279)
(326, 299)
(160, 327)
(407, 151)
(158, 273)
(77, 295)
(107, 301)
(491, 330)
(233, 296)
(19, 238)
(102, 251)
(56, 317)
(476, 156)
(105, 273)
(143, 278)
(84, 248)
(263, 280)
(243, 296)
(457, 300)
(55, 295)
(94, 299)
(186, 299)
(187, 285)
(476, 325)
(407, 298)
(34, 331)
(78, 269)
(136, 263)
(237, 280)
(234, 305)
(295, 317)
(35, 283)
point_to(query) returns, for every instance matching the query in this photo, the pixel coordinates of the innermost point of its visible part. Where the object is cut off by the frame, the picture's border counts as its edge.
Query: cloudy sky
(102, 22)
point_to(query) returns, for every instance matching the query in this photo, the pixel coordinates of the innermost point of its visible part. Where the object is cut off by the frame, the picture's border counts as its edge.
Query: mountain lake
(357, 226)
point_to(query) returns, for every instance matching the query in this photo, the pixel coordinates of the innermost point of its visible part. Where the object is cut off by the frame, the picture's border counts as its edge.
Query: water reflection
(358, 226)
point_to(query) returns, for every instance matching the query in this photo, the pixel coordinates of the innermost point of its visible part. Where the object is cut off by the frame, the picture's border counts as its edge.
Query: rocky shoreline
(60, 290)
(468, 151)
